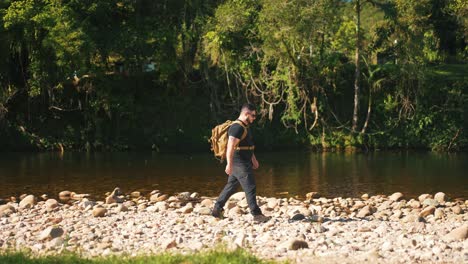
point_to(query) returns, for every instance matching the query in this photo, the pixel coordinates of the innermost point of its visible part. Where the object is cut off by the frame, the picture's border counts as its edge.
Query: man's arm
(255, 163)
(232, 142)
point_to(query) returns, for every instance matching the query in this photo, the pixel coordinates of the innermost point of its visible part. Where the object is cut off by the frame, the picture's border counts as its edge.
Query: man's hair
(248, 107)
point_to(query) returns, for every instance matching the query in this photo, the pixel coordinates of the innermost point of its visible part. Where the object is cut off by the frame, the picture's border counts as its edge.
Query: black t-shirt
(244, 156)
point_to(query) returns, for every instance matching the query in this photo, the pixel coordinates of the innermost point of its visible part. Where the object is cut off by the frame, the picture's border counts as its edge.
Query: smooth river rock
(51, 204)
(396, 196)
(365, 211)
(237, 196)
(295, 244)
(460, 233)
(99, 212)
(440, 197)
(423, 197)
(7, 209)
(50, 233)
(427, 211)
(64, 194)
(27, 202)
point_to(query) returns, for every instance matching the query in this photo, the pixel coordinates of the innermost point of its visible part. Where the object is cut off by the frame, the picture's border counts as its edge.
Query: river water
(281, 174)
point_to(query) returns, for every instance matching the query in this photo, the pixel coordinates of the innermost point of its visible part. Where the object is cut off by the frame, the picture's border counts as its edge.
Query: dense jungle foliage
(144, 74)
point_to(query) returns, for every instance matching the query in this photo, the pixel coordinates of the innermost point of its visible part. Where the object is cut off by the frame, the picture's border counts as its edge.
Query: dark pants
(241, 173)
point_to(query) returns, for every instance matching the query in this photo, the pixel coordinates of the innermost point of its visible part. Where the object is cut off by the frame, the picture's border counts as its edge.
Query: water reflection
(331, 174)
(344, 174)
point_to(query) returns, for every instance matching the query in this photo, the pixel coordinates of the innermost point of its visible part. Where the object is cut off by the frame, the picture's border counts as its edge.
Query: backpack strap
(244, 135)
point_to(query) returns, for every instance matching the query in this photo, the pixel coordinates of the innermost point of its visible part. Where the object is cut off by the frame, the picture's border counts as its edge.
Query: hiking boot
(260, 218)
(217, 213)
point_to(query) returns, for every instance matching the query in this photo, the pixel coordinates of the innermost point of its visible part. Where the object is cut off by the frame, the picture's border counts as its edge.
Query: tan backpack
(219, 138)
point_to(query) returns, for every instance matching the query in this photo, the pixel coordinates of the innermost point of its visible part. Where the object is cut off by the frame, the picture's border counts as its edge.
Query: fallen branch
(63, 110)
(453, 139)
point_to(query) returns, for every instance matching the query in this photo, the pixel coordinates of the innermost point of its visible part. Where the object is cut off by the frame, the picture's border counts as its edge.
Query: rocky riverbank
(385, 229)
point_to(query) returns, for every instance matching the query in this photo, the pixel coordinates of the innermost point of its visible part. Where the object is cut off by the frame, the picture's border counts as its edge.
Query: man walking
(241, 162)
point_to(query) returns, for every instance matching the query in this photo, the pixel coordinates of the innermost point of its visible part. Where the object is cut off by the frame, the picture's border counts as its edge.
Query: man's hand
(228, 169)
(255, 164)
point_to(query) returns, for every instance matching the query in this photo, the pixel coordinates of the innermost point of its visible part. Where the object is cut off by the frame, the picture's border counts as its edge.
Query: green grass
(217, 256)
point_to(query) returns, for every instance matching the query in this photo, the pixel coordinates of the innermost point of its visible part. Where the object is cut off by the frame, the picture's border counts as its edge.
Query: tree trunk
(3, 112)
(369, 108)
(315, 111)
(357, 60)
